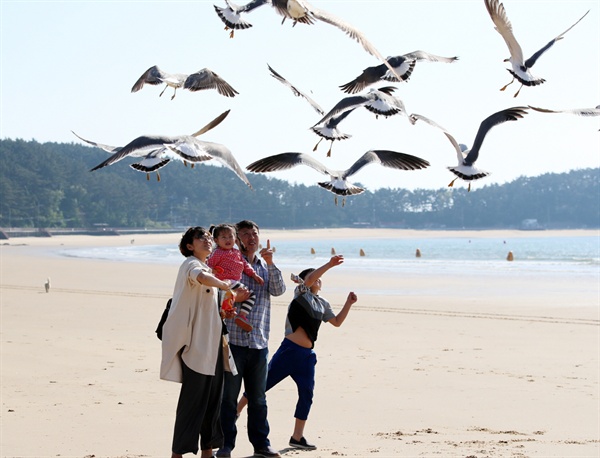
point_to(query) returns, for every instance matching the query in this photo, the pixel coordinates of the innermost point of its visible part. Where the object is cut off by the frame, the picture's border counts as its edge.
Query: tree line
(48, 185)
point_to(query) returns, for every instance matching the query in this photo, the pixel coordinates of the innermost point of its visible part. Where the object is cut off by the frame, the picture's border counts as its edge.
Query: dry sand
(441, 366)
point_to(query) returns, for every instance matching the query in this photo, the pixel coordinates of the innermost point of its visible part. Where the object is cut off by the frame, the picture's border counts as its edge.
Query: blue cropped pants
(292, 360)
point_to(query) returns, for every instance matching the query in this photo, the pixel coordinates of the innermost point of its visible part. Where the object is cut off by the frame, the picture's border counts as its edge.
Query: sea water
(533, 255)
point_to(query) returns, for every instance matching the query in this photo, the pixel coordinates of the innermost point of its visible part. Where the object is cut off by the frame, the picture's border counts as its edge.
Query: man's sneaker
(267, 452)
(243, 323)
(302, 444)
(223, 452)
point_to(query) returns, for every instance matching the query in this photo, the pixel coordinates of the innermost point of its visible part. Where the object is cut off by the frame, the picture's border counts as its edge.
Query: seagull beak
(506, 60)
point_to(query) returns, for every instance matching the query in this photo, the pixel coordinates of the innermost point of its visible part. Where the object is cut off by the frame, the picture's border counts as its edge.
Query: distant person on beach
(192, 348)
(250, 349)
(228, 263)
(295, 357)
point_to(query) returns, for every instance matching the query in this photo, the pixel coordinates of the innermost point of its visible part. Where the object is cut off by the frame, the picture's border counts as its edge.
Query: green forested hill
(49, 185)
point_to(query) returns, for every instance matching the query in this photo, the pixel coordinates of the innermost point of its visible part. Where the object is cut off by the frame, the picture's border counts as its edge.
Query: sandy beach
(441, 366)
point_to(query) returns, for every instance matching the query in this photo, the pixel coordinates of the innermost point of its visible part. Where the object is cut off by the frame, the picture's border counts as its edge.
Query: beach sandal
(243, 323)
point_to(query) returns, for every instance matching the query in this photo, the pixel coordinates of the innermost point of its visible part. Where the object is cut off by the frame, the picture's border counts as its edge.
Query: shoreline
(297, 234)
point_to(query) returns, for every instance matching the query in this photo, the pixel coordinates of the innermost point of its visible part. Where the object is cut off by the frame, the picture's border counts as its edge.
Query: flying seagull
(338, 179)
(403, 66)
(466, 169)
(154, 159)
(378, 101)
(202, 79)
(520, 67)
(328, 130)
(296, 11)
(154, 149)
(186, 146)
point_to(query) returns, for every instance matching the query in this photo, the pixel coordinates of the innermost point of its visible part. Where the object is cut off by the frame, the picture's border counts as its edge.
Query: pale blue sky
(70, 65)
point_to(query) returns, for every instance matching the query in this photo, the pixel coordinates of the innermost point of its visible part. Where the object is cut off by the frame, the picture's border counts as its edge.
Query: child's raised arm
(312, 277)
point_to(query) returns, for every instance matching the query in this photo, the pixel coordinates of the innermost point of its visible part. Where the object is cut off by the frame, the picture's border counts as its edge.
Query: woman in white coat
(192, 348)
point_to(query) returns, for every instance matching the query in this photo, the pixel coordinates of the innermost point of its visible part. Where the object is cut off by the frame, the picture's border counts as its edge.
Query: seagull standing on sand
(328, 130)
(403, 66)
(338, 183)
(200, 80)
(466, 169)
(520, 67)
(47, 285)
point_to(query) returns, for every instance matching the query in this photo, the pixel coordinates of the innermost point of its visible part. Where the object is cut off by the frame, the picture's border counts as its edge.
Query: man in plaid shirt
(250, 349)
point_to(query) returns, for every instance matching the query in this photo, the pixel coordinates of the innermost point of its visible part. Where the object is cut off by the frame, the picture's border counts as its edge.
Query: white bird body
(520, 66)
(338, 179)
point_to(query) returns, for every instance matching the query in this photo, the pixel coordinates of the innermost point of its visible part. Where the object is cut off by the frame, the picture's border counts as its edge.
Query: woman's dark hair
(305, 272)
(192, 233)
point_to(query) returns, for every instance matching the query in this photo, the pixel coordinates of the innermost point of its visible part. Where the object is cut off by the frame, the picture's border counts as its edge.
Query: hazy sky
(70, 65)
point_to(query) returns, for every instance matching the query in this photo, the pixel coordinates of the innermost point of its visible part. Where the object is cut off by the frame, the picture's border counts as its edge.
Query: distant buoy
(362, 253)
(47, 285)
(418, 253)
(333, 252)
(312, 251)
(510, 256)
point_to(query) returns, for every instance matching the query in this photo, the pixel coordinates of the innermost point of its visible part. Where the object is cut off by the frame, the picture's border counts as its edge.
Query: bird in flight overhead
(158, 150)
(466, 169)
(520, 67)
(328, 130)
(154, 159)
(338, 182)
(200, 80)
(403, 66)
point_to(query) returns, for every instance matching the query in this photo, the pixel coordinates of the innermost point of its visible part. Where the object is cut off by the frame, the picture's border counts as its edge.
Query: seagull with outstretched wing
(200, 80)
(403, 66)
(156, 158)
(231, 14)
(157, 150)
(466, 169)
(520, 67)
(328, 130)
(338, 182)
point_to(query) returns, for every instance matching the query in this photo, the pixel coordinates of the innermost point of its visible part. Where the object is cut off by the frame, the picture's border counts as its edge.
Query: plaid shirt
(260, 315)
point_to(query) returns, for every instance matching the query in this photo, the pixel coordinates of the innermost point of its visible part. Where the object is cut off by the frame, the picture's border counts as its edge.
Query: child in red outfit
(228, 263)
